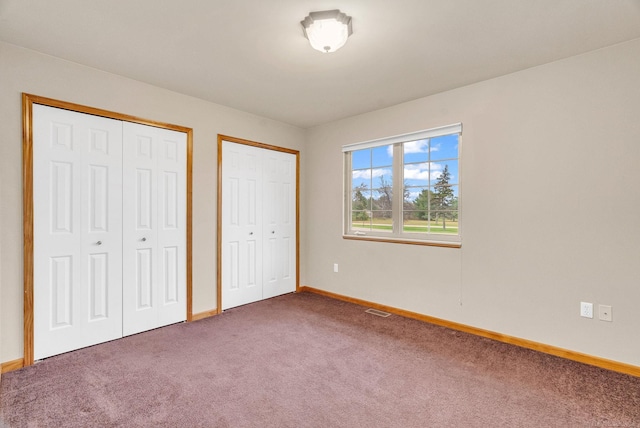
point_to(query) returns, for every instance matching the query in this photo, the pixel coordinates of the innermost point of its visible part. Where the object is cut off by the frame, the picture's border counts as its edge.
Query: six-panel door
(77, 204)
(279, 262)
(154, 228)
(242, 224)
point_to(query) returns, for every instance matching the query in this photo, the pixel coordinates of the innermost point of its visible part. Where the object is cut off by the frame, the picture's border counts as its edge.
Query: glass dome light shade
(328, 30)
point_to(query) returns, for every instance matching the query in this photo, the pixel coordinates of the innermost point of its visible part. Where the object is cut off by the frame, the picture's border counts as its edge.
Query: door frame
(222, 138)
(27, 198)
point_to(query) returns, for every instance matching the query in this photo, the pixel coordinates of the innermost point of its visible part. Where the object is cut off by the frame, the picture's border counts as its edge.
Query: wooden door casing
(29, 102)
(258, 221)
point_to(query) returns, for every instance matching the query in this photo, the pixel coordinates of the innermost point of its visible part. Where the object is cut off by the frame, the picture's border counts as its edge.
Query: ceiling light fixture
(328, 30)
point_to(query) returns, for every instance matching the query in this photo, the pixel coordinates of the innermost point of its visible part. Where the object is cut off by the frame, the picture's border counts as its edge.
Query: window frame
(397, 235)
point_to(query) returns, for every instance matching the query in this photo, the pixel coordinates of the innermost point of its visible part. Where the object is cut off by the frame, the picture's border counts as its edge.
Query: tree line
(441, 202)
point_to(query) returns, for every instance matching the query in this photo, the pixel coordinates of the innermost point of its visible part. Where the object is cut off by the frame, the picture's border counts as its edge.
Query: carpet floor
(304, 360)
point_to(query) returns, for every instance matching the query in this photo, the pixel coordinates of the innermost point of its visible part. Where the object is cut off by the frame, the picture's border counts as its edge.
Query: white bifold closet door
(77, 161)
(154, 228)
(109, 229)
(258, 224)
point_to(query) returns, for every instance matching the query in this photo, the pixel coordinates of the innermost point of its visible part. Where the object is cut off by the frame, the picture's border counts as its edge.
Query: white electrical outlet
(604, 312)
(335, 267)
(586, 309)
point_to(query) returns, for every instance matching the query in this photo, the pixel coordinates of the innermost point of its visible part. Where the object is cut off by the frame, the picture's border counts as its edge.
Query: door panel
(77, 175)
(242, 233)
(154, 228)
(98, 286)
(61, 288)
(280, 223)
(172, 227)
(62, 190)
(98, 197)
(170, 278)
(144, 198)
(144, 279)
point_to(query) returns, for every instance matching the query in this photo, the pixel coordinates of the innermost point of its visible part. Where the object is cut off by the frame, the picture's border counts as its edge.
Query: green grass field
(416, 226)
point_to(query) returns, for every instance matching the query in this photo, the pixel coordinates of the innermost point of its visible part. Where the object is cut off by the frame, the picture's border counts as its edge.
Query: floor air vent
(378, 313)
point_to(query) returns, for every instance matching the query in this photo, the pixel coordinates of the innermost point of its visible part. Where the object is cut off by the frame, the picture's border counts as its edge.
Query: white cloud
(416, 171)
(419, 146)
(420, 171)
(366, 173)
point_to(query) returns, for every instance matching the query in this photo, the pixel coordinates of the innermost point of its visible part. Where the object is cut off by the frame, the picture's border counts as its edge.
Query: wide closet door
(258, 224)
(109, 221)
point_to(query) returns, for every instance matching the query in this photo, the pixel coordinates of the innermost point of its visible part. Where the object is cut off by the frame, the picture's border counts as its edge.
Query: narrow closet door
(241, 224)
(77, 200)
(279, 262)
(154, 228)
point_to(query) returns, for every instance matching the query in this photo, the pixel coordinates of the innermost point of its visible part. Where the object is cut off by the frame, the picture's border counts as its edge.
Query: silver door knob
(273, 231)
(250, 233)
(99, 243)
(143, 239)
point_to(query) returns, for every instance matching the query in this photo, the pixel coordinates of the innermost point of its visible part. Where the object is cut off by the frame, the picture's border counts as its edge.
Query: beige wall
(550, 196)
(26, 71)
(550, 202)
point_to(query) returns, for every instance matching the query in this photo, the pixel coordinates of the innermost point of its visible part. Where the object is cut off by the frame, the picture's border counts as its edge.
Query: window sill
(429, 243)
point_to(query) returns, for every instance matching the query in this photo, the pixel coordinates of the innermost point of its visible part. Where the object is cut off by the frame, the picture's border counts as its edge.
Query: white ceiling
(251, 54)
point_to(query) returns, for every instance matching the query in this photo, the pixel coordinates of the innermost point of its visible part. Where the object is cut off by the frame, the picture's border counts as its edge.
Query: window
(423, 167)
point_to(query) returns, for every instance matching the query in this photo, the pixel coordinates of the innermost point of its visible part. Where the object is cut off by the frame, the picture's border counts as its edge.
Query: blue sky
(377, 162)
